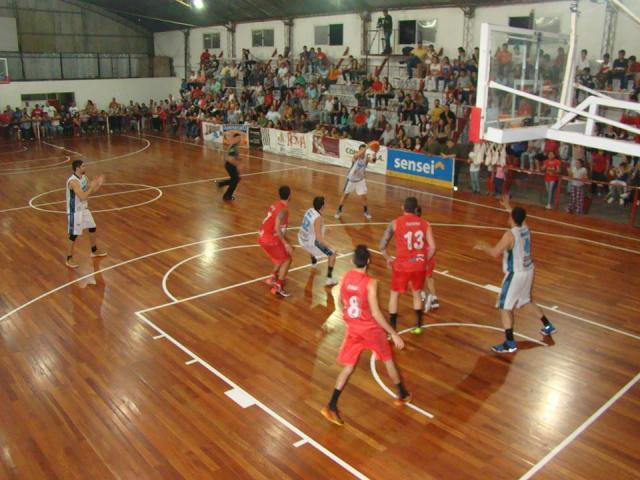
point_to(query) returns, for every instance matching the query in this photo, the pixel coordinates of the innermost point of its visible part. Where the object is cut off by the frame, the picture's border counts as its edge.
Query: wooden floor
(129, 366)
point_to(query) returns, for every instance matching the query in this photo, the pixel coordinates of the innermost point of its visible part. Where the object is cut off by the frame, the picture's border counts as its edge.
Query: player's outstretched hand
(97, 182)
(397, 340)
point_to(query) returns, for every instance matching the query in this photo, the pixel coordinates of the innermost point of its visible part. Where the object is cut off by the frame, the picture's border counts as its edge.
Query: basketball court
(169, 358)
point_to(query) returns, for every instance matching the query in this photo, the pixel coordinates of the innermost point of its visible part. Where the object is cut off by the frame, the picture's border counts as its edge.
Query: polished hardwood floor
(129, 366)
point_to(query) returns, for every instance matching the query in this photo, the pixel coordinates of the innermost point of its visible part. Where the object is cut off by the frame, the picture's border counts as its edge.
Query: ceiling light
(199, 4)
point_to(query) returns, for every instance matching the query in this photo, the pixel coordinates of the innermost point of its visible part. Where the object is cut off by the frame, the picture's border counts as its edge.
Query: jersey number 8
(354, 309)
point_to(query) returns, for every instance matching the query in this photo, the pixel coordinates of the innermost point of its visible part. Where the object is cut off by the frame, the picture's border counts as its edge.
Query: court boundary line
(421, 192)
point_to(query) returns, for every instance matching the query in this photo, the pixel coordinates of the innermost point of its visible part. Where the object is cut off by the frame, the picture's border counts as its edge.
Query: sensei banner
(415, 166)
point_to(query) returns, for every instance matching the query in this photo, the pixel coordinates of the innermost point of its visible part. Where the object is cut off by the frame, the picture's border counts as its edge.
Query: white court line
(149, 187)
(356, 473)
(300, 442)
(59, 147)
(376, 376)
(536, 468)
(158, 337)
(191, 362)
(421, 192)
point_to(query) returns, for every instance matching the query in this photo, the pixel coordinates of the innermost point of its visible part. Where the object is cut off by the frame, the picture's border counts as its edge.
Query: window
(521, 22)
(262, 38)
(211, 40)
(412, 31)
(547, 24)
(329, 34)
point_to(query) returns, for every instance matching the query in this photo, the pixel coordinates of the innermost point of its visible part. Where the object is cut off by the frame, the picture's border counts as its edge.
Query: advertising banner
(326, 146)
(212, 132)
(416, 166)
(229, 131)
(255, 137)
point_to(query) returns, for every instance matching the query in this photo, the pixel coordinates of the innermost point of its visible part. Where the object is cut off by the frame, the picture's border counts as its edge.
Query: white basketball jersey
(74, 204)
(307, 233)
(518, 258)
(356, 172)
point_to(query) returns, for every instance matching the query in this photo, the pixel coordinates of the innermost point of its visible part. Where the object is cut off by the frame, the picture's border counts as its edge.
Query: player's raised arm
(372, 298)
(505, 243)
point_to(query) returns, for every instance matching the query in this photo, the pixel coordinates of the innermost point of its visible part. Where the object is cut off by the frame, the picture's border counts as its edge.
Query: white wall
(449, 35)
(304, 34)
(100, 91)
(243, 38)
(8, 34)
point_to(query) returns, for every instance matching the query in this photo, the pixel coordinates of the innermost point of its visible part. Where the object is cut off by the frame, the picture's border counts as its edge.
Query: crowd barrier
(437, 171)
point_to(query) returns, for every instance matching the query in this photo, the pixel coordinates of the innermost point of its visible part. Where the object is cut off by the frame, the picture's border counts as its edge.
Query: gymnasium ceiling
(150, 13)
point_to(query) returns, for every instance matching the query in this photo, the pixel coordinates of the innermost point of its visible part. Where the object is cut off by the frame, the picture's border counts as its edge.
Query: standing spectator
(576, 185)
(498, 180)
(551, 169)
(304, 59)
(599, 168)
(605, 70)
(583, 62)
(387, 29)
(474, 173)
(504, 57)
(204, 58)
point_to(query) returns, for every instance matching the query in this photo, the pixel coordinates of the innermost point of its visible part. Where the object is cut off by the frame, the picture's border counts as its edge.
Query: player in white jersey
(79, 217)
(515, 248)
(311, 237)
(355, 178)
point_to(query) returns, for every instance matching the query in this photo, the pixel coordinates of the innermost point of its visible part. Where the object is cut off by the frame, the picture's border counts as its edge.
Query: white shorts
(79, 221)
(317, 250)
(359, 187)
(516, 290)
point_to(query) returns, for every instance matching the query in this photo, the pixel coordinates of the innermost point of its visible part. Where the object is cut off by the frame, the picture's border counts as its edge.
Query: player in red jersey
(367, 329)
(272, 238)
(415, 247)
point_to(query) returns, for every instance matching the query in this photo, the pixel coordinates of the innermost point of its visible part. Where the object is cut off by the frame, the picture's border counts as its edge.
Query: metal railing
(74, 66)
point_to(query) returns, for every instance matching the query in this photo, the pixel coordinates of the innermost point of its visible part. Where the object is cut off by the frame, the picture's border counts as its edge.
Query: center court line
(421, 192)
(190, 182)
(586, 424)
(303, 436)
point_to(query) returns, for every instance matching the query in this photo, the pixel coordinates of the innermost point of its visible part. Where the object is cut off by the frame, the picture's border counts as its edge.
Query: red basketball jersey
(410, 235)
(268, 232)
(355, 303)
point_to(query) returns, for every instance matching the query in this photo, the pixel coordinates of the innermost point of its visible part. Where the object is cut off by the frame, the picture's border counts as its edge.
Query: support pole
(566, 95)
(609, 29)
(467, 34)
(187, 59)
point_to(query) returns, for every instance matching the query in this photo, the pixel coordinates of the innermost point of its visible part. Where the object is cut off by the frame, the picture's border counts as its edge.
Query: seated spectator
(205, 57)
(464, 87)
(605, 69)
(417, 57)
(620, 177)
(388, 137)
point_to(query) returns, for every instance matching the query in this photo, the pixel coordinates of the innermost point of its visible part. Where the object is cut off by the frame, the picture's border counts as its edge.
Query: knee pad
(92, 230)
(72, 237)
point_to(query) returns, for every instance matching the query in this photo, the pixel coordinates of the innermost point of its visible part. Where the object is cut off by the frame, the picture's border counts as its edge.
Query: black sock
(94, 249)
(366, 209)
(69, 257)
(393, 320)
(544, 321)
(402, 392)
(329, 271)
(418, 317)
(314, 260)
(340, 207)
(333, 403)
(508, 333)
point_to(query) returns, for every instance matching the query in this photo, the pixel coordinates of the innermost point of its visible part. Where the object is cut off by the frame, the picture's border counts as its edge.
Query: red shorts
(399, 280)
(276, 251)
(354, 343)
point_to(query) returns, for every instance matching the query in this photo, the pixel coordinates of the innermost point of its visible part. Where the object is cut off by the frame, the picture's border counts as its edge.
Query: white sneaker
(338, 214)
(621, 201)
(70, 263)
(434, 302)
(427, 303)
(548, 207)
(330, 282)
(367, 215)
(98, 254)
